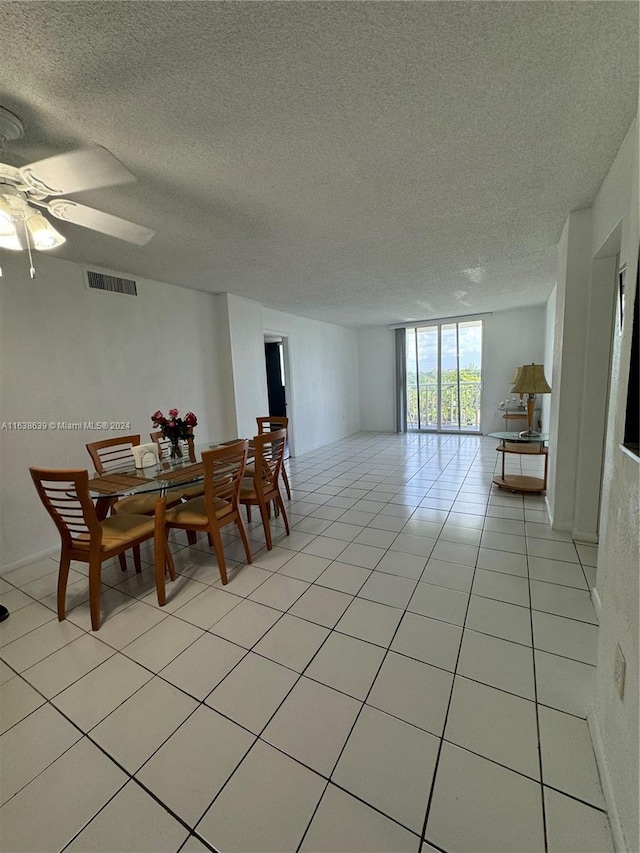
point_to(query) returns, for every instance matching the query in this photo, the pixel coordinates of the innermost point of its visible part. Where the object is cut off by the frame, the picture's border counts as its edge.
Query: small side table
(513, 442)
(513, 415)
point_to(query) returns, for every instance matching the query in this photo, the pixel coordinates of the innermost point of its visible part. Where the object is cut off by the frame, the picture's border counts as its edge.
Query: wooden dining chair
(262, 489)
(65, 495)
(269, 424)
(223, 471)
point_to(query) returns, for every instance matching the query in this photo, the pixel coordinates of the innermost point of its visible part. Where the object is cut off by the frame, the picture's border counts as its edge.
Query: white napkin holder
(146, 455)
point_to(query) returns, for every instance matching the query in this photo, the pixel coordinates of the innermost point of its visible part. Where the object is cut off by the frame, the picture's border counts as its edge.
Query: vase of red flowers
(175, 428)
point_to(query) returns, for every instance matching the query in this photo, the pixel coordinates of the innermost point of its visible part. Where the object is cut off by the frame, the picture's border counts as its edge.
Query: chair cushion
(194, 513)
(144, 504)
(193, 492)
(117, 530)
(250, 472)
(247, 490)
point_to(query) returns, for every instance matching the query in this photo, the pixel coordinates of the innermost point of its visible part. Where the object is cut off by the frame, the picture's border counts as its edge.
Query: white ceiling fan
(23, 189)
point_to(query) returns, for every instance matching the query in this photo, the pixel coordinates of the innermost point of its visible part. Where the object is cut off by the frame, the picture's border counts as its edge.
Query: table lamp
(530, 380)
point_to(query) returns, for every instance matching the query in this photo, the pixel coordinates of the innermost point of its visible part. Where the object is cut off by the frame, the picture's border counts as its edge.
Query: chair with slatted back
(262, 489)
(223, 470)
(269, 424)
(65, 495)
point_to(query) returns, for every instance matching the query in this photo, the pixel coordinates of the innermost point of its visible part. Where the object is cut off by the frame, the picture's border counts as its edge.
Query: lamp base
(528, 433)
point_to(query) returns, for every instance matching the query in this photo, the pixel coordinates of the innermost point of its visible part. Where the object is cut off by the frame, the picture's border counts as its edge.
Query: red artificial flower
(190, 419)
(158, 418)
(173, 413)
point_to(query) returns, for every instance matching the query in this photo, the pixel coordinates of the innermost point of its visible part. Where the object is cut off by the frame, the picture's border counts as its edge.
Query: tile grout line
(446, 717)
(537, 712)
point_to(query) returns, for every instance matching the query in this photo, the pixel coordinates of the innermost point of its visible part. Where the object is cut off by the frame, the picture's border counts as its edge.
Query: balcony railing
(427, 416)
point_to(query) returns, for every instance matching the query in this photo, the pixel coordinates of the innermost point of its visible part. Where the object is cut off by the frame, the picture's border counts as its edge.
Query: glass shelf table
(530, 445)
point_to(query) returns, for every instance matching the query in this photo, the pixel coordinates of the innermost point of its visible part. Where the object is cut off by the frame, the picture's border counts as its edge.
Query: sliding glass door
(444, 376)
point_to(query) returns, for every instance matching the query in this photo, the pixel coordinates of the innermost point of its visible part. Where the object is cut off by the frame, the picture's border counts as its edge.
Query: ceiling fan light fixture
(23, 227)
(43, 233)
(11, 242)
(7, 228)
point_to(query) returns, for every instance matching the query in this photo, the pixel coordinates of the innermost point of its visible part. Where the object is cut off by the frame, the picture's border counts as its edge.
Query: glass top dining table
(166, 475)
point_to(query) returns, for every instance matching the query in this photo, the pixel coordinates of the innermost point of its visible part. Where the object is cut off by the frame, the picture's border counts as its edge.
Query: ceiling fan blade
(75, 171)
(106, 223)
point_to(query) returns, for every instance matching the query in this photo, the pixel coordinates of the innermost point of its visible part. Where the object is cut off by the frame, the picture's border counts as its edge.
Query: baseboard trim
(24, 561)
(548, 506)
(580, 536)
(619, 841)
(597, 604)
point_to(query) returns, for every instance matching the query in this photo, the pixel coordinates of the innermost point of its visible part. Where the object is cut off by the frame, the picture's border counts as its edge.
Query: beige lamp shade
(530, 379)
(43, 233)
(516, 375)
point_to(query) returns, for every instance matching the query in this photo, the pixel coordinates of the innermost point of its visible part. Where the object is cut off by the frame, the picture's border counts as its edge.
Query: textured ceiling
(355, 162)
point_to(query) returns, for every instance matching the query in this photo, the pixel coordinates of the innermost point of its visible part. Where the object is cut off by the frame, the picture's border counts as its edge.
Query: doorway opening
(276, 362)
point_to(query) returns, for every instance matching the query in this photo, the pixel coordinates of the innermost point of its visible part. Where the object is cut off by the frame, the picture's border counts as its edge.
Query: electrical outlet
(619, 667)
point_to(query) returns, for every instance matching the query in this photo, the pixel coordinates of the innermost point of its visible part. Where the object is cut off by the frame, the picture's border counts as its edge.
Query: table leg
(102, 507)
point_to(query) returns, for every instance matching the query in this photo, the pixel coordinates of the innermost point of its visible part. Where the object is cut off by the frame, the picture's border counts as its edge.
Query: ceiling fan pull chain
(32, 271)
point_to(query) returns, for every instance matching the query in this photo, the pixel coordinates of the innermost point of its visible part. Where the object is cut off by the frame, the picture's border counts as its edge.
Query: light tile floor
(410, 670)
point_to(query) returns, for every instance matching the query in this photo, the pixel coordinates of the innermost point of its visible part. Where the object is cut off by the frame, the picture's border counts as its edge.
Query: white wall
(72, 355)
(582, 342)
(615, 722)
(591, 438)
(222, 344)
(511, 338)
(376, 358)
(550, 322)
(247, 357)
(323, 399)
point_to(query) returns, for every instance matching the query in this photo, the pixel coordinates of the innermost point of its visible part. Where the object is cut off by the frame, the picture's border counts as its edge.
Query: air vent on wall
(111, 283)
